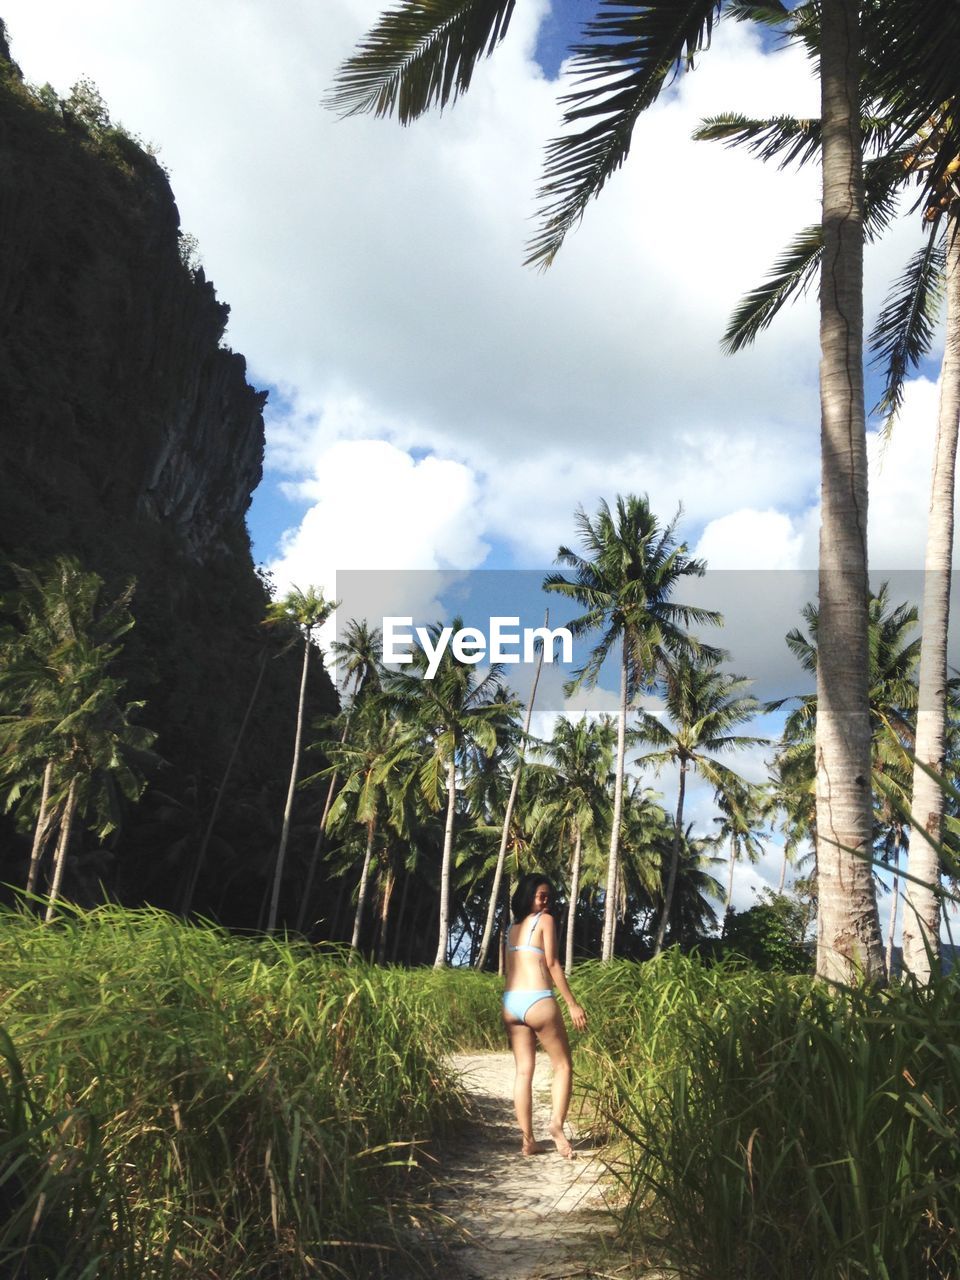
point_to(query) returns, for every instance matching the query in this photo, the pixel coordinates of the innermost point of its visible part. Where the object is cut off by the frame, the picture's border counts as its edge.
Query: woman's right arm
(577, 1015)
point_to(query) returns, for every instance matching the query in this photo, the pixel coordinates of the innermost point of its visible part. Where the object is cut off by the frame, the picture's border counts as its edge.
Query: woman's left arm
(549, 929)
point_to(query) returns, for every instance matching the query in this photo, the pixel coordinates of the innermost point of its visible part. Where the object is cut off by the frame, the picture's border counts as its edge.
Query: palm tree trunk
(733, 860)
(444, 928)
(388, 883)
(848, 936)
(362, 889)
(921, 918)
(288, 808)
(187, 901)
(893, 908)
(783, 871)
(574, 894)
(318, 842)
(508, 815)
(43, 827)
(60, 861)
(674, 863)
(401, 916)
(504, 930)
(609, 906)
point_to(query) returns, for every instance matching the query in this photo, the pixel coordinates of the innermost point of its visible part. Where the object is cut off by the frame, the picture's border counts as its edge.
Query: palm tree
(892, 696)
(302, 610)
(358, 657)
(646, 838)
(70, 713)
(691, 913)
(624, 581)
(704, 704)
(451, 710)
(903, 334)
(370, 763)
(743, 816)
(574, 796)
(508, 813)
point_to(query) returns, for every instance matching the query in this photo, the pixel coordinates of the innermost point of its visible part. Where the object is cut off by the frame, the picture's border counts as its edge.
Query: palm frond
(792, 275)
(786, 138)
(884, 177)
(904, 329)
(629, 53)
(421, 53)
(771, 13)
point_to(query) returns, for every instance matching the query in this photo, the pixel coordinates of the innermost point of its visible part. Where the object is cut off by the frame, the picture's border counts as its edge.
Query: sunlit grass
(773, 1128)
(180, 1102)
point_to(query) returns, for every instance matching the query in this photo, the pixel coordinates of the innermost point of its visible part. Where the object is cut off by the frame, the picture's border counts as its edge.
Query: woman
(531, 1013)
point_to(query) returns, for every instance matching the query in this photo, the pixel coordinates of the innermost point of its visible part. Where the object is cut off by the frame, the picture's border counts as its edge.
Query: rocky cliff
(114, 385)
(130, 438)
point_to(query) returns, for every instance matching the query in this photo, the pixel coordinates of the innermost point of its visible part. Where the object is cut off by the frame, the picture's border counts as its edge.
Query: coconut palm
(357, 657)
(302, 611)
(743, 818)
(624, 581)
(902, 335)
(704, 705)
(451, 710)
(574, 798)
(71, 728)
(372, 762)
(894, 654)
(508, 813)
(646, 837)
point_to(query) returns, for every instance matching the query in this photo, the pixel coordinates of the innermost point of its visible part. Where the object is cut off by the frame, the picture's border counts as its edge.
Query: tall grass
(178, 1102)
(775, 1129)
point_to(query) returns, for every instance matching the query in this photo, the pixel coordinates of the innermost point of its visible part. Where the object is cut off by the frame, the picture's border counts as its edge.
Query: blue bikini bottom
(517, 1003)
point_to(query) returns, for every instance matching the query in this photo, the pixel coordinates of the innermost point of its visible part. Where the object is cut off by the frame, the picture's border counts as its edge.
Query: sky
(433, 403)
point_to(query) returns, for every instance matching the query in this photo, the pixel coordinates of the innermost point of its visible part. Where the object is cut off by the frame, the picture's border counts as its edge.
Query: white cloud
(376, 507)
(751, 539)
(900, 468)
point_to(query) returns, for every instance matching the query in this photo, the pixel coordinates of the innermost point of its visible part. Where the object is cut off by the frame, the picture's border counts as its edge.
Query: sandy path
(539, 1218)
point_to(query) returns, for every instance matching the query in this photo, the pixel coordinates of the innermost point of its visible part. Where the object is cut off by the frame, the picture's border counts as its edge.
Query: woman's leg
(546, 1021)
(524, 1046)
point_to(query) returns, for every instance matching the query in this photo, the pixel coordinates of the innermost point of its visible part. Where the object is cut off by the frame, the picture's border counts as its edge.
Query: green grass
(773, 1129)
(180, 1102)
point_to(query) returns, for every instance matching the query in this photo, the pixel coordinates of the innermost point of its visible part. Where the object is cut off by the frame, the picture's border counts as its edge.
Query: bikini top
(526, 946)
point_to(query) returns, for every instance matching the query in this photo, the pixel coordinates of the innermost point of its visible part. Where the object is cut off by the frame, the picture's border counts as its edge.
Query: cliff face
(113, 385)
(130, 439)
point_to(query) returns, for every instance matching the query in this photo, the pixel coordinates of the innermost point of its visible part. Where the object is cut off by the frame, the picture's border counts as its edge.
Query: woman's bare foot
(533, 1148)
(560, 1138)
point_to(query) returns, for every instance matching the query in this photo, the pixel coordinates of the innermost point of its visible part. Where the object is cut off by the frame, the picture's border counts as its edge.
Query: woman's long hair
(522, 901)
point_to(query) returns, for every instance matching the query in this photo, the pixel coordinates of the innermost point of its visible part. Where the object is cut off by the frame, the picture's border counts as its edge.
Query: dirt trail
(535, 1218)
